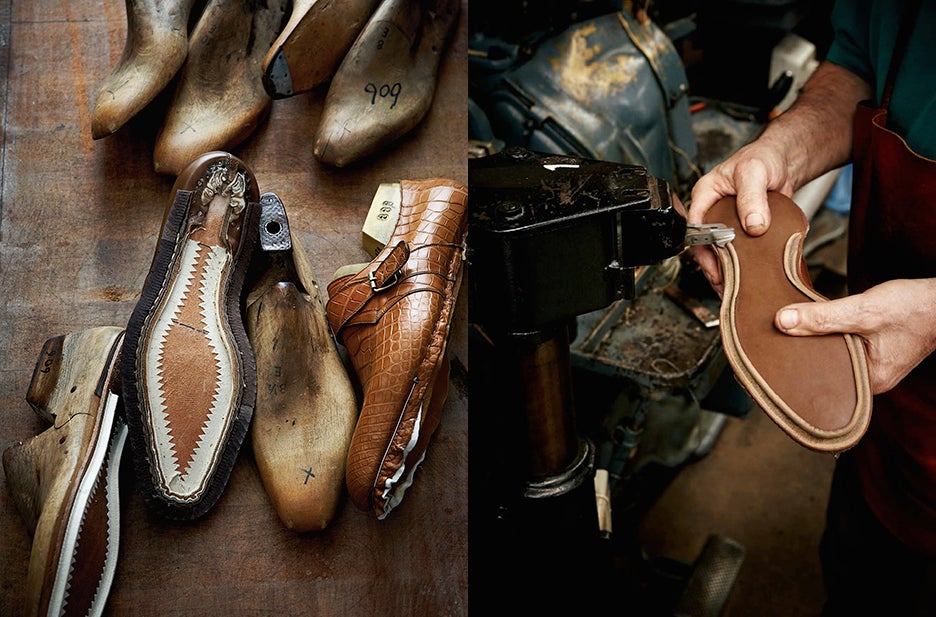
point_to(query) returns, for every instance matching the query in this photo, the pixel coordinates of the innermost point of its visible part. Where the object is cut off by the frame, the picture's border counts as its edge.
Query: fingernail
(754, 220)
(789, 318)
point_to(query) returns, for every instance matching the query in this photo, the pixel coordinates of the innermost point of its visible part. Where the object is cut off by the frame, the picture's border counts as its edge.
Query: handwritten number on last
(384, 91)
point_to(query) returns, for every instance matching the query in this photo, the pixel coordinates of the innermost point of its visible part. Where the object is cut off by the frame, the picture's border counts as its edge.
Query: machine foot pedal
(713, 576)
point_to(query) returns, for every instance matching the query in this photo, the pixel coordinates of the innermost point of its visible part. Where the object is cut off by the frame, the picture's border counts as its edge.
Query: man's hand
(749, 173)
(802, 143)
(752, 171)
(896, 319)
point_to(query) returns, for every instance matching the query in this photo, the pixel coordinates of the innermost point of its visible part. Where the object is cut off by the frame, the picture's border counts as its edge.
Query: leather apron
(892, 235)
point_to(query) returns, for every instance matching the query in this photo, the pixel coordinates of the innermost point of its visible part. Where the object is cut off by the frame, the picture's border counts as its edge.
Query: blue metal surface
(606, 88)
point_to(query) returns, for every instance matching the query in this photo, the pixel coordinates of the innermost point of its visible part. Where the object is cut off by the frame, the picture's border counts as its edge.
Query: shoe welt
(188, 372)
(815, 388)
(385, 85)
(394, 317)
(306, 406)
(312, 44)
(64, 481)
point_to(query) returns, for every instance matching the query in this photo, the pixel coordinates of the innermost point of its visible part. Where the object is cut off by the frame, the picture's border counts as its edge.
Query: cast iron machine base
(550, 238)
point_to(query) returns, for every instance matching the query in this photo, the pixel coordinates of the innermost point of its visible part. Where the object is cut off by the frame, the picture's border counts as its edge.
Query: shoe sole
(188, 370)
(815, 388)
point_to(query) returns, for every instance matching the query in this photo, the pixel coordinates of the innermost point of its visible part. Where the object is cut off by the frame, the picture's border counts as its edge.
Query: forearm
(815, 134)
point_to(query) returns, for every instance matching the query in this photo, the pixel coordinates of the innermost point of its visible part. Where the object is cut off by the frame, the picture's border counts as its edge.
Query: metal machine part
(551, 238)
(557, 236)
(608, 87)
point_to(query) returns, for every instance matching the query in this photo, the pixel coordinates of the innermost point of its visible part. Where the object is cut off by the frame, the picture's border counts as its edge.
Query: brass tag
(381, 218)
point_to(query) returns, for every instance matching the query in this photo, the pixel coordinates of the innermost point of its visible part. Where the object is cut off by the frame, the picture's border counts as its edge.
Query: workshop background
(715, 510)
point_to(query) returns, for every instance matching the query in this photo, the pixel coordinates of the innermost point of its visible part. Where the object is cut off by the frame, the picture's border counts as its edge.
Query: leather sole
(815, 388)
(189, 377)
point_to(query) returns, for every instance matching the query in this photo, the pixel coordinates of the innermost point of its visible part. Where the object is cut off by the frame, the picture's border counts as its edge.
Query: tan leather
(394, 317)
(312, 44)
(385, 85)
(816, 388)
(219, 100)
(64, 480)
(189, 379)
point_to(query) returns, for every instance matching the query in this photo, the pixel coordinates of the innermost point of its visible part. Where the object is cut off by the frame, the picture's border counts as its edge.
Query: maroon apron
(892, 235)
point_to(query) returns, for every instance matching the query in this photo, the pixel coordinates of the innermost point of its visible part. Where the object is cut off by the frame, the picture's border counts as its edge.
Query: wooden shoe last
(816, 388)
(385, 85)
(64, 481)
(312, 44)
(306, 406)
(220, 99)
(189, 379)
(394, 317)
(157, 43)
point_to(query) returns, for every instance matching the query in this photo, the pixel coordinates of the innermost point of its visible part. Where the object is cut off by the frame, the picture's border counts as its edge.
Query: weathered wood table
(79, 225)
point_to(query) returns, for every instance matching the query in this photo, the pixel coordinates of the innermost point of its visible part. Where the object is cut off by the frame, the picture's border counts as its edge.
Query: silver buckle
(393, 280)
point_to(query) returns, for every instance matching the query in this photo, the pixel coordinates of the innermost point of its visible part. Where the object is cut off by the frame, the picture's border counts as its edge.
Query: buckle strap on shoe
(348, 301)
(387, 274)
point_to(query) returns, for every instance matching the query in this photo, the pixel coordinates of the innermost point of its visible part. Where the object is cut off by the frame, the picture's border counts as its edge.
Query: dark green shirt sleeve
(865, 36)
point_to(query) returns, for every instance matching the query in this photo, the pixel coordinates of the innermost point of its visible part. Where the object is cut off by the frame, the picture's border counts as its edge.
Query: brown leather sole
(64, 481)
(394, 317)
(815, 388)
(220, 99)
(312, 44)
(306, 406)
(189, 378)
(385, 85)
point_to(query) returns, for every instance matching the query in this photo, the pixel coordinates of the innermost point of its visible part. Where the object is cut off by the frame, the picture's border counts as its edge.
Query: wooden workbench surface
(78, 225)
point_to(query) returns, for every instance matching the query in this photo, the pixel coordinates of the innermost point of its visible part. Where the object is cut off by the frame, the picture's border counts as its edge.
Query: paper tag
(381, 218)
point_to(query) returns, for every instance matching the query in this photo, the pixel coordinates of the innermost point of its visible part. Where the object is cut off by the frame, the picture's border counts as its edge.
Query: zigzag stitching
(186, 277)
(206, 299)
(74, 555)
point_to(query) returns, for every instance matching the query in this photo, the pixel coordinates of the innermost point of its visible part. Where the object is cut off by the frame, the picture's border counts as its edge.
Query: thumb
(811, 318)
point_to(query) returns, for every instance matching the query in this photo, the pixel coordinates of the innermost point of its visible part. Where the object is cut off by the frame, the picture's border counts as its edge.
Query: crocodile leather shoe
(64, 481)
(189, 378)
(815, 388)
(394, 317)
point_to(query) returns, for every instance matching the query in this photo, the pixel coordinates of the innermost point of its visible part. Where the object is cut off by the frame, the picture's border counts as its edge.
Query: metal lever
(709, 233)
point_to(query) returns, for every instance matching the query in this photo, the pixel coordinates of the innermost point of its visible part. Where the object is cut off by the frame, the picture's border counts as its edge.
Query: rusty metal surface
(651, 340)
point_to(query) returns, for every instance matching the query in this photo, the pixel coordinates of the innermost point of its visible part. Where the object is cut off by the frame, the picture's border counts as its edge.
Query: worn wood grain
(77, 233)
